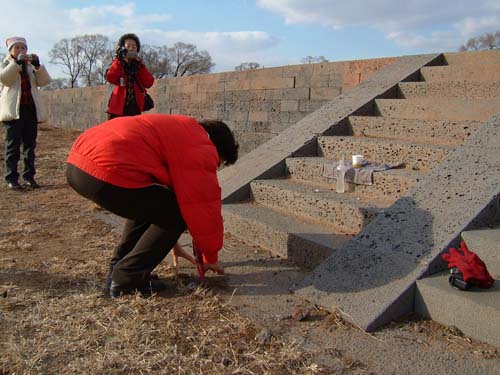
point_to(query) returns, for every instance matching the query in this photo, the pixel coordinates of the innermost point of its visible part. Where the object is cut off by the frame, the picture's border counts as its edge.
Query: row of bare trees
(483, 41)
(85, 58)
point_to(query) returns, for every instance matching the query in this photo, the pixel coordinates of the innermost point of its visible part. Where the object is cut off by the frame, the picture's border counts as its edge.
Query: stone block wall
(256, 104)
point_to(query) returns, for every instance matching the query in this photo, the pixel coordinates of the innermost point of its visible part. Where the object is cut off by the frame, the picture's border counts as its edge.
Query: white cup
(357, 161)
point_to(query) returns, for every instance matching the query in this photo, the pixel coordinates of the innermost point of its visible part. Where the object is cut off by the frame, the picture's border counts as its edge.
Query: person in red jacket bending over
(130, 78)
(160, 173)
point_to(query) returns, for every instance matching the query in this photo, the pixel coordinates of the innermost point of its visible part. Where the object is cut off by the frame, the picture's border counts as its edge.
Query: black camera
(124, 53)
(456, 279)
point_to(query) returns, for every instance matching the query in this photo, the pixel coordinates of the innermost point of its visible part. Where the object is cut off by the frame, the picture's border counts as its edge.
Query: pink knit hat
(13, 40)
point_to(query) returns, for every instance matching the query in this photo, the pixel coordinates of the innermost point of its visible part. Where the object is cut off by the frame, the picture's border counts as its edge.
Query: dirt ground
(54, 318)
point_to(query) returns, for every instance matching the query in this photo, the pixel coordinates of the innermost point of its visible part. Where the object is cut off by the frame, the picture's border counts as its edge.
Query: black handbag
(148, 102)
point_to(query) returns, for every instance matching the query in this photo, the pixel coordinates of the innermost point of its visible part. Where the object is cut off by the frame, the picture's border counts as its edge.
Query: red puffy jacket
(175, 151)
(118, 96)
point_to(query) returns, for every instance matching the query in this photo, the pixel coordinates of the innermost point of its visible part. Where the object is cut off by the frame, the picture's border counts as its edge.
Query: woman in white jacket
(21, 109)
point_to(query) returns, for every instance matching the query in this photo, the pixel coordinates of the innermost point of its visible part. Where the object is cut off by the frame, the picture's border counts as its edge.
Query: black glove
(35, 61)
(121, 53)
(21, 58)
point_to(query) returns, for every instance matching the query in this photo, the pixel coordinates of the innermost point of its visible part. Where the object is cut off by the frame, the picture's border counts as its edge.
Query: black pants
(129, 110)
(154, 224)
(23, 131)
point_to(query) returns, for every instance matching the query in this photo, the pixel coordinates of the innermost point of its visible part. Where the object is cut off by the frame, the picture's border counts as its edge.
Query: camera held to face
(31, 58)
(126, 54)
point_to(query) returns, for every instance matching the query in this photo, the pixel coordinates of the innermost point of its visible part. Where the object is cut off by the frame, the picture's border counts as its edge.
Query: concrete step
(390, 184)
(306, 244)
(438, 109)
(473, 57)
(468, 72)
(475, 312)
(346, 213)
(416, 156)
(486, 244)
(436, 132)
(452, 89)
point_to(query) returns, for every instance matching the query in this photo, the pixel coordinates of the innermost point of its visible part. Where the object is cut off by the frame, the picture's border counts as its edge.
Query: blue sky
(270, 32)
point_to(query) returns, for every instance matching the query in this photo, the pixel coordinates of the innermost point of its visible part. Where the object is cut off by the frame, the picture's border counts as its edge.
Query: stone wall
(256, 104)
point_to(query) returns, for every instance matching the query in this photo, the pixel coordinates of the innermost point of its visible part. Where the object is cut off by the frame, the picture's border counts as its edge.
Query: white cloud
(45, 22)
(227, 49)
(409, 24)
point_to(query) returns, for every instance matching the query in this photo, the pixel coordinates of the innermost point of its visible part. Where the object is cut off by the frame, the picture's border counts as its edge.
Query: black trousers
(154, 224)
(21, 132)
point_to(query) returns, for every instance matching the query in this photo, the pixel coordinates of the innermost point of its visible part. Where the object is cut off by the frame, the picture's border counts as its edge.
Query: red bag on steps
(473, 269)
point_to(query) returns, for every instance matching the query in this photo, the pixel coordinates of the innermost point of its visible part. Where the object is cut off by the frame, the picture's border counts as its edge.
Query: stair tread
(439, 281)
(475, 312)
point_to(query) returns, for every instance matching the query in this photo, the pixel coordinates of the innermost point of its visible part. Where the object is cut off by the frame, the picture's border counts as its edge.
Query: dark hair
(223, 139)
(123, 38)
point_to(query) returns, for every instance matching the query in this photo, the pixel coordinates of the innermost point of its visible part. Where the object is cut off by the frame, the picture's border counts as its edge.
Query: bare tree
(313, 59)
(68, 53)
(157, 60)
(95, 51)
(482, 42)
(247, 66)
(102, 66)
(186, 60)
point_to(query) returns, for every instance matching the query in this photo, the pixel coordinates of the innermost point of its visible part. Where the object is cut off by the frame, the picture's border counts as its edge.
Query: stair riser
(431, 132)
(451, 109)
(481, 73)
(417, 157)
(455, 89)
(388, 186)
(343, 217)
(299, 250)
(473, 58)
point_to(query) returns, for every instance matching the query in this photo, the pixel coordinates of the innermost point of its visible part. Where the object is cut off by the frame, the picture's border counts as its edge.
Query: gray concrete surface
(258, 285)
(371, 278)
(475, 311)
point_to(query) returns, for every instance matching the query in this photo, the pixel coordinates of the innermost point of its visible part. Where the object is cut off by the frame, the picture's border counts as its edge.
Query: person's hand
(21, 58)
(179, 252)
(121, 53)
(215, 267)
(35, 61)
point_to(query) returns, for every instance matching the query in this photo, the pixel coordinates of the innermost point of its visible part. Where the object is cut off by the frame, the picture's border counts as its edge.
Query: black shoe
(31, 184)
(14, 185)
(109, 279)
(154, 286)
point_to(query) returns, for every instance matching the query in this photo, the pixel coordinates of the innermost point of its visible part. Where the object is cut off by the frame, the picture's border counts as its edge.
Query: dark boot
(153, 287)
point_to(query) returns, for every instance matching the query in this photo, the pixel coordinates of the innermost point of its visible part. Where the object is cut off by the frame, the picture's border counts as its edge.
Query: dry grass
(54, 318)
(82, 333)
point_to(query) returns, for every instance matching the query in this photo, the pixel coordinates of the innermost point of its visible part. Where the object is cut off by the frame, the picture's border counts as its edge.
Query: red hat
(15, 39)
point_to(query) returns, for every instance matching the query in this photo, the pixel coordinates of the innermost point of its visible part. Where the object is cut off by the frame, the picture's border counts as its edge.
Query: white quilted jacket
(10, 97)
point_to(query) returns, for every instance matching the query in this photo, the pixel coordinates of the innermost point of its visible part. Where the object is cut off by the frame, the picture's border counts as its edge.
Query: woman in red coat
(130, 78)
(159, 172)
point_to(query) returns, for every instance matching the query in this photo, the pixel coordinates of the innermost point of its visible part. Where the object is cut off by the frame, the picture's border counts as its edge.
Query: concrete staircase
(418, 123)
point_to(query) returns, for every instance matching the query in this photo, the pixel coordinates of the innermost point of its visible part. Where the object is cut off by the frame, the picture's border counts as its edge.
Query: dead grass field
(54, 318)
